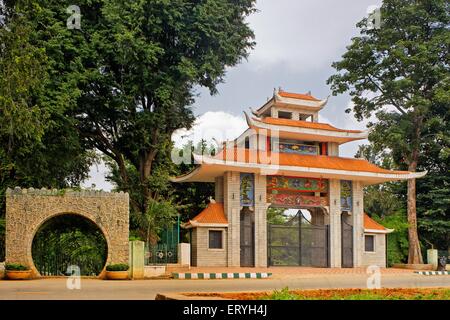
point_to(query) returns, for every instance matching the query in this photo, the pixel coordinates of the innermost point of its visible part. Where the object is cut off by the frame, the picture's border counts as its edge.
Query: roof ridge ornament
(324, 102)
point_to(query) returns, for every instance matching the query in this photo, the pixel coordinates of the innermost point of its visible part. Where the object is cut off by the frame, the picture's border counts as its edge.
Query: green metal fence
(166, 250)
(161, 254)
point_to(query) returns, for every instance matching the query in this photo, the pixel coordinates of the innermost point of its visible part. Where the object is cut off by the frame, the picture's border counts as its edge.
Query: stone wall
(28, 209)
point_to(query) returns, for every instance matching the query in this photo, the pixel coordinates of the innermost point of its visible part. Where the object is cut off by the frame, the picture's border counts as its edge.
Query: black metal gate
(347, 245)
(69, 244)
(298, 243)
(247, 239)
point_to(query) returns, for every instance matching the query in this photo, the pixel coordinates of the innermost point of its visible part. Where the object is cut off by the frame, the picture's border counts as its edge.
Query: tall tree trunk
(414, 254)
(145, 170)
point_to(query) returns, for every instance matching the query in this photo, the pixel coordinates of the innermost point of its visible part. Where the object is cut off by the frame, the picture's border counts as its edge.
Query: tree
(153, 53)
(399, 72)
(127, 78)
(39, 146)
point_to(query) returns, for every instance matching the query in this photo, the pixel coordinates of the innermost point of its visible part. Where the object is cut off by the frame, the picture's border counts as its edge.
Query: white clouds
(303, 35)
(219, 125)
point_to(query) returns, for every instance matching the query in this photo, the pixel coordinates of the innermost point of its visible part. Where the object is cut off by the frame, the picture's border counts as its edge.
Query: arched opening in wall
(68, 244)
(298, 236)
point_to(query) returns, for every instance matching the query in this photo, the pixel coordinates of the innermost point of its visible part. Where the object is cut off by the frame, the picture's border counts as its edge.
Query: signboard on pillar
(247, 189)
(346, 195)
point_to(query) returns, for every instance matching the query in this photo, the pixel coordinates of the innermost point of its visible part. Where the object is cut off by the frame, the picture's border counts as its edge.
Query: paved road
(147, 289)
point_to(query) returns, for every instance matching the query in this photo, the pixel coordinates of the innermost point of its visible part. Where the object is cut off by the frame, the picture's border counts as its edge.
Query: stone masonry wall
(28, 209)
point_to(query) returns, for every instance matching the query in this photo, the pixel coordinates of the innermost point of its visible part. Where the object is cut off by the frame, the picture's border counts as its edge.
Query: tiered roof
(292, 164)
(305, 130)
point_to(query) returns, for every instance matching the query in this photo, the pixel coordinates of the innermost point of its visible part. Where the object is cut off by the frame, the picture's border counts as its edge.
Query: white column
(335, 224)
(358, 222)
(232, 211)
(260, 221)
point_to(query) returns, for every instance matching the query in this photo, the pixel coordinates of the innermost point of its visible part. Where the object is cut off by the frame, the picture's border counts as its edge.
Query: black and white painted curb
(223, 275)
(433, 273)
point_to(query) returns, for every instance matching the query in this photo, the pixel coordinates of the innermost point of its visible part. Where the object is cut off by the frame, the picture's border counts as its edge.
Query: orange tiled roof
(298, 160)
(213, 213)
(369, 223)
(304, 124)
(301, 96)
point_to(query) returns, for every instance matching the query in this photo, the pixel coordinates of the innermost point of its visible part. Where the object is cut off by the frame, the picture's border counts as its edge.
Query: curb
(224, 275)
(432, 273)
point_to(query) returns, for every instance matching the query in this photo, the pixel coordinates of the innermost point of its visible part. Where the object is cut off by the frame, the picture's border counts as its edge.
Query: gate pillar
(358, 223)
(335, 224)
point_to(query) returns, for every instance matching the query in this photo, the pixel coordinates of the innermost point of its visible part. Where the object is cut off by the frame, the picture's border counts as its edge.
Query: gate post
(335, 224)
(184, 254)
(136, 260)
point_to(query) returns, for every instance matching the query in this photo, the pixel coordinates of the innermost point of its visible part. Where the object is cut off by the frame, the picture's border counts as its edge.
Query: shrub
(117, 267)
(16, 267)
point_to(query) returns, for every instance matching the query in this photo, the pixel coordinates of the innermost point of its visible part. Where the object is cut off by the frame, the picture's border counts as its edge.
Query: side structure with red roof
(284, 195)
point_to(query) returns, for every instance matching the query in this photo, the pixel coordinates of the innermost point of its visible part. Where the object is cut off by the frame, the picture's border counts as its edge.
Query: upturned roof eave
(341, 136)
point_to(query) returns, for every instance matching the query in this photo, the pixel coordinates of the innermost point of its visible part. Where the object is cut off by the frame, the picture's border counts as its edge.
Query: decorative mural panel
(289, 200)
(247, 189)
(346, 195)
(296, 184)
(298, 148)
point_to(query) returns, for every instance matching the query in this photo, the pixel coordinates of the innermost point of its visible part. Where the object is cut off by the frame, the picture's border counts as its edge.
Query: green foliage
(276, 215)
(117, 267)
(39, 147)
(16, 267)
(397, 242)
(69, 240)
(283, 294)
(121, 85)
(160, 214)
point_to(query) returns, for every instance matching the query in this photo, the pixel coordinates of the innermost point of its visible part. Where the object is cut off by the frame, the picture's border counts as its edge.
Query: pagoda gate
(288, 162)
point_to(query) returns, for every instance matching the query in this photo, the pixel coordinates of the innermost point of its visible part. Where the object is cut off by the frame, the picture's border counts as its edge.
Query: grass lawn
(338, 294)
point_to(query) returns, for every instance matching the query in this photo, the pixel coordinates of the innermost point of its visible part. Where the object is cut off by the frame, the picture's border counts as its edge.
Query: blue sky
(297, 41)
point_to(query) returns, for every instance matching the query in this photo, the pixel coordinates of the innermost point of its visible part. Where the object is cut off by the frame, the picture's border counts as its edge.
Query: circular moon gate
(28, 210)
(69, 243)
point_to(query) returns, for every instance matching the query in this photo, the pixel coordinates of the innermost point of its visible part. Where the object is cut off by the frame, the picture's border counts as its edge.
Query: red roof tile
(308, 161)
(304, 124)
(369, 223)
(301, 96)
(213, 213)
